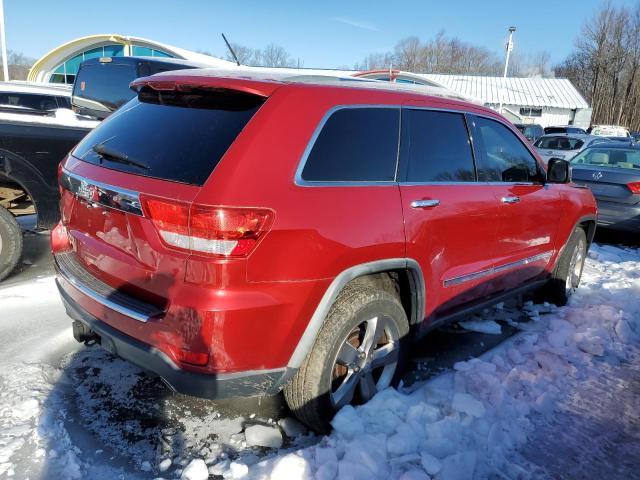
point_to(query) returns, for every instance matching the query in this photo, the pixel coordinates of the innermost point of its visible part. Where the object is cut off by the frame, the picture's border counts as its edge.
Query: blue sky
(324, 34)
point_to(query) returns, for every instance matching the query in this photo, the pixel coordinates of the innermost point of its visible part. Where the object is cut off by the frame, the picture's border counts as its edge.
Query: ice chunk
(292, 427)
(430, 463)
(465, 403)
(482, 326)
(347, 422)
(263, 436)
(196, 470)
(459, 466)
(164, 465)
(290, 466)
(414, 475)
(238, 469)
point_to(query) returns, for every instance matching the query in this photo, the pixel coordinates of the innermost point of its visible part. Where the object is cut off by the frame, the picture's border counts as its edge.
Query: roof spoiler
(185, 83)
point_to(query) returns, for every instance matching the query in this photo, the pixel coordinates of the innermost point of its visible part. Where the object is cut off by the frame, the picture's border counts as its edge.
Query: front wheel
(565, 279)
(10, 243)
(360, 350)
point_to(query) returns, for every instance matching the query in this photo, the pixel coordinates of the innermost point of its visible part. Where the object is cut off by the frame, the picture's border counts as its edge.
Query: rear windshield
(177, 136)
(106, 84)
(559, 143)
(609, 157)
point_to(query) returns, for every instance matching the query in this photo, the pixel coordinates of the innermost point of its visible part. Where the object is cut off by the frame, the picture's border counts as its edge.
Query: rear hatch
(101, 87)
(160, 147)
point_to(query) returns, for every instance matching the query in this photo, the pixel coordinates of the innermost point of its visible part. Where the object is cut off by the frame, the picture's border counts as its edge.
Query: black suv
(532, 131)
(102, 84)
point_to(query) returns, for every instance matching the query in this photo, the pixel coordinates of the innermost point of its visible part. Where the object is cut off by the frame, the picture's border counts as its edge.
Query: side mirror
(558, 171)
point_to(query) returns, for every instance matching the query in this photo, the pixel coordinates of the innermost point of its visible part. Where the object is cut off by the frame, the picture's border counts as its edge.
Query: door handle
(425, 203)
(510, 199)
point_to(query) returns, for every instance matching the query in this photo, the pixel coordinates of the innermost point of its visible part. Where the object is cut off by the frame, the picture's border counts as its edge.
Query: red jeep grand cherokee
(239, 236)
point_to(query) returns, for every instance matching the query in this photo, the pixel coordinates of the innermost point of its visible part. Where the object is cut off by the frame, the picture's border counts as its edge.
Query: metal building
(546, 101)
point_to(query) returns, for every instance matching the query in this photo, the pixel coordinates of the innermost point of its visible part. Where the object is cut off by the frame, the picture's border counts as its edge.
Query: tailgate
(110, 236)
(164, 145)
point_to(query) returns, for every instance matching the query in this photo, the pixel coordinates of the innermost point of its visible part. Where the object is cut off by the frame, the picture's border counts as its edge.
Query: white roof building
(545, 101)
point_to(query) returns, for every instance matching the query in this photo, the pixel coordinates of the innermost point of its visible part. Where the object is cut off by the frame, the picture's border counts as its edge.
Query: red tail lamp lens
(220, 231)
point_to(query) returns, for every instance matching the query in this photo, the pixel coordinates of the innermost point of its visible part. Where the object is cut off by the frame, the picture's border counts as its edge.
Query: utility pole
(509, 47)
(3, 38)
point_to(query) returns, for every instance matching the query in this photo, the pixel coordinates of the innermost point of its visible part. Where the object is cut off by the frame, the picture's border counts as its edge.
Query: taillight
(634, 187)
(220, 231)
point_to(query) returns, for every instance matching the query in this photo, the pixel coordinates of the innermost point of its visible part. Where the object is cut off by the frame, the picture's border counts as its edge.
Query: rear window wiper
(112, 155)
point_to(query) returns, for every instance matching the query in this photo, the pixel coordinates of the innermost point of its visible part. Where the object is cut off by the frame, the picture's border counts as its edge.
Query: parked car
(608, 131)
(618, 139)
(239, 236)
(102, 84)
(567, 129)
(564, 146)
(33, 98)
(612, 172)
(636, 137)
(37, 129)
(531, 131)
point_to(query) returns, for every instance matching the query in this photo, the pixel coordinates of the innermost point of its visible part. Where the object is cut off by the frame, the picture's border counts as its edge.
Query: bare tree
(270, 56)
(276, 56)
(605, 65)
(19, 65)
(441, 54)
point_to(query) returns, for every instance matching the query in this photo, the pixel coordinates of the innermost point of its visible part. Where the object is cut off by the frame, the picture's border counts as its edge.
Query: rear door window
(355, 145)
(436, 147)
(177, 136)
(500, 155)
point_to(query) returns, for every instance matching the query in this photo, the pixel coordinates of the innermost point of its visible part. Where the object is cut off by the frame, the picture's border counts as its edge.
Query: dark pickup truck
(38, 129)
(30, 152)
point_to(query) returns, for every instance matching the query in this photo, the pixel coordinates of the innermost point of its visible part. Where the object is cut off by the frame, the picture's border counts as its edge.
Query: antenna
(233, 54)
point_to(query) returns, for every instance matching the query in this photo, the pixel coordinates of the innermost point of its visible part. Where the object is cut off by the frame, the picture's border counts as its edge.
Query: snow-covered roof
(37, 88)
(534, 92)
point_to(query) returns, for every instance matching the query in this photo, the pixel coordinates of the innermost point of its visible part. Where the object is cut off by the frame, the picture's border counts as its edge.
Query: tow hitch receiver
(84, 334)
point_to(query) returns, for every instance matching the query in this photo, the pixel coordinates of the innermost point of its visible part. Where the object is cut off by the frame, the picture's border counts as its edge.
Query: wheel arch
(413, 301)
(16, 171)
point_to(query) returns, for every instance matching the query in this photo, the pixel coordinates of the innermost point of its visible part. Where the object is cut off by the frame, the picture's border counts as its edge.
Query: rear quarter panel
(318, 231)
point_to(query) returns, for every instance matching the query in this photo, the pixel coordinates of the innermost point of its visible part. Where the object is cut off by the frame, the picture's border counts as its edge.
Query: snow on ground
(476, 421)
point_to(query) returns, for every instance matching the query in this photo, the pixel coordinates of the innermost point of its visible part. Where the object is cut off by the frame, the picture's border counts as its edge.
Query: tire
(565, 278)
(10, 243)
(337, 371)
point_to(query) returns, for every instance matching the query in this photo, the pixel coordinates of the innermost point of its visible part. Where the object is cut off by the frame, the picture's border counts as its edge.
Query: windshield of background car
(559, 143)
(609, 157)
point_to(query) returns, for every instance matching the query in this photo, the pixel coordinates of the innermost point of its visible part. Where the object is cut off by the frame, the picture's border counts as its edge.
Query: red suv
(240, 236)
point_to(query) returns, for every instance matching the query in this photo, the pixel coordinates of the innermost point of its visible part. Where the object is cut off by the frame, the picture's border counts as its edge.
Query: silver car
(563, 145)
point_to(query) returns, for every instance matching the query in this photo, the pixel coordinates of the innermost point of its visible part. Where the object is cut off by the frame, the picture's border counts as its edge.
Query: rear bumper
(211, 386)
(619, 216)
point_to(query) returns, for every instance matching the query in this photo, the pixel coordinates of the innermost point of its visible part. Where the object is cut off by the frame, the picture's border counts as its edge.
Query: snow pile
(30, 427)
(469, 422)
(466, 423)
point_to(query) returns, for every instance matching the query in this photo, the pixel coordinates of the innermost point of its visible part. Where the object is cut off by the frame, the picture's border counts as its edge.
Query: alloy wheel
(366, 362)
(575, 268)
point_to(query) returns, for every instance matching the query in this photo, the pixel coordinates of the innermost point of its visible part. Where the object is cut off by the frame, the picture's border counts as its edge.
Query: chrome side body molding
(501, 268)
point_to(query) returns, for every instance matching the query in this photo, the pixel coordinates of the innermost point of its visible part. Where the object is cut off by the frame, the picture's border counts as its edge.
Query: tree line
(605, 65)
(450, 55)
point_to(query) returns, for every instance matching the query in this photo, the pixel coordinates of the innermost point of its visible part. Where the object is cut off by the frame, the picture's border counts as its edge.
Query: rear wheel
(360, 350)
(568, 272)
(10, 243)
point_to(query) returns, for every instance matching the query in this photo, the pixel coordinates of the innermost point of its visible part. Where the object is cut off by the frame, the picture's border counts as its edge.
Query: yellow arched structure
(44, 70)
